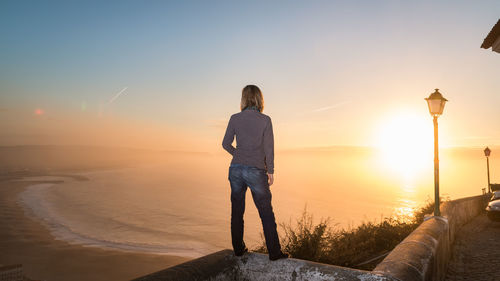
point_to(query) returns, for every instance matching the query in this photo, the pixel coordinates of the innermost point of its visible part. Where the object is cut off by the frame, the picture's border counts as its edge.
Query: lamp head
(436, 103)
(487, 152)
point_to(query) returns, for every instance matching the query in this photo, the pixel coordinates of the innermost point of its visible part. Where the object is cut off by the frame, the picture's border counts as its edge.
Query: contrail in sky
(116, 96)
(103, 107)
(330, 107)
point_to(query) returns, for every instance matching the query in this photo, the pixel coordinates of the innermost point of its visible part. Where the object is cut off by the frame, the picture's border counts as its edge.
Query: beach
(25, 240)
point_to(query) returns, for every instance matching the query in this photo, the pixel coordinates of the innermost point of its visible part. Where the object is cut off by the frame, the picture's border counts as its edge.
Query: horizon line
(299, 148)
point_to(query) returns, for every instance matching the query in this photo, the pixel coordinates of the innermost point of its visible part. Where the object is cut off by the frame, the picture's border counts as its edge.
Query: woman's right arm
(227, 142)
(269, 146)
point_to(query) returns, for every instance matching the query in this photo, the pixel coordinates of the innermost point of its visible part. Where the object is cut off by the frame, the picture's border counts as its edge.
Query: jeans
(241, 177)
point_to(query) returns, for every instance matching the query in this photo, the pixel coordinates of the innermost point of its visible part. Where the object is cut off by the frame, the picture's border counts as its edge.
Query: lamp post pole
(488, 167)
(436, 103)
(437, 211)
(487, 152)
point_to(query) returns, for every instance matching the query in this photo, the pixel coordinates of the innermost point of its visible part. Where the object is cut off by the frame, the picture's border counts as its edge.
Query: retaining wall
(425, 253)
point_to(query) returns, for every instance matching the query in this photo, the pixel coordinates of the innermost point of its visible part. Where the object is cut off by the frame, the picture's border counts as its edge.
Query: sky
(168, 74)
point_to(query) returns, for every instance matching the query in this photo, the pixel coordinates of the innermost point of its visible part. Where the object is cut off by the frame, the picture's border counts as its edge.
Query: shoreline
(25, 240)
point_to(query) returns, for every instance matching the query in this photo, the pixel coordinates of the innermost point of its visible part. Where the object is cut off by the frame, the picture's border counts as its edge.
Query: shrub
(359, 247)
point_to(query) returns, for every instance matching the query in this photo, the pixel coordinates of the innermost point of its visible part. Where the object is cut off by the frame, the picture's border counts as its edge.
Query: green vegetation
(361, 247)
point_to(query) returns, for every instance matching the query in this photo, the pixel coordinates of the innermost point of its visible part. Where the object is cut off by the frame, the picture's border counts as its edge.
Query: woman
(252, 166)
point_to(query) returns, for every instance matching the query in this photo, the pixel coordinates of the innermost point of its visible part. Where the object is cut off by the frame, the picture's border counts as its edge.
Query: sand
(24, 240)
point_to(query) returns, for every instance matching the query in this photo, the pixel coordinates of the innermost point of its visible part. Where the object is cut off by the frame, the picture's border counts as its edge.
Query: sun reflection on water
(406, 210)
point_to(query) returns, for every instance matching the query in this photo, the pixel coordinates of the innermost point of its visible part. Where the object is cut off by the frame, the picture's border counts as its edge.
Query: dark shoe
(280, 256)
(239, 254)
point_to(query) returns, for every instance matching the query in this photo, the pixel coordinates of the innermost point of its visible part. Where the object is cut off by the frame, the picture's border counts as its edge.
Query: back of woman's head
(252, 96)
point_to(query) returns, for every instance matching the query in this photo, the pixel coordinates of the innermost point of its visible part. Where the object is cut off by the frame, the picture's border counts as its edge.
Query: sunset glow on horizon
(405, 143)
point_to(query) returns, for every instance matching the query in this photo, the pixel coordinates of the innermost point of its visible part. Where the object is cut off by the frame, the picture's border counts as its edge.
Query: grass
(361, 247)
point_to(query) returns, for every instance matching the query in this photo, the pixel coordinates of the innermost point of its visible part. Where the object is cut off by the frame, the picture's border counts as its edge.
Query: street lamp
(487, 153)
(436, 105)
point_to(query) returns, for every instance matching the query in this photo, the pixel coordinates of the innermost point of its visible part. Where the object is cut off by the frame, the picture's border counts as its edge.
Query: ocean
(181, 204)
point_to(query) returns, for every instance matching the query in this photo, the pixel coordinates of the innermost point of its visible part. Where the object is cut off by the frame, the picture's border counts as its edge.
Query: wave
(34, 200)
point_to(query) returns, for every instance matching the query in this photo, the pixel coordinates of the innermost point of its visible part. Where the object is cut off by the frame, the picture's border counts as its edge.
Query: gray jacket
(254, 139)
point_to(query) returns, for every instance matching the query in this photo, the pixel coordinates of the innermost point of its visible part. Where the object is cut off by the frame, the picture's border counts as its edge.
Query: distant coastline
(36, 206)
(24, 240)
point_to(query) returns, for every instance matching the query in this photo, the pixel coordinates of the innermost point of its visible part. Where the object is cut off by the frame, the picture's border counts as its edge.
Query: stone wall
(425, 253)
(223, 265)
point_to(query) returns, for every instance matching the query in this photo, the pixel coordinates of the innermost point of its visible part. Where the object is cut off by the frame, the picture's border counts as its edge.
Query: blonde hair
(252, 96)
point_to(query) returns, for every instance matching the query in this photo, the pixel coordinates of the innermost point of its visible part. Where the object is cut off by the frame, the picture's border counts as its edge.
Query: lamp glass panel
(435, 106)
(442, 107)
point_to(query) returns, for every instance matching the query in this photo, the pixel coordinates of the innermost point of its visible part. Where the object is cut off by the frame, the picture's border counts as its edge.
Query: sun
(405, 143)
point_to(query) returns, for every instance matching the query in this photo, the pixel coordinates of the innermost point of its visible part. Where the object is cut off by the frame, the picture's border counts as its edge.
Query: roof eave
(492, 37)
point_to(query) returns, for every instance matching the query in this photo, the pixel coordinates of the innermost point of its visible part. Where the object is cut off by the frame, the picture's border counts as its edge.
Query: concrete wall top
(224, 265)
